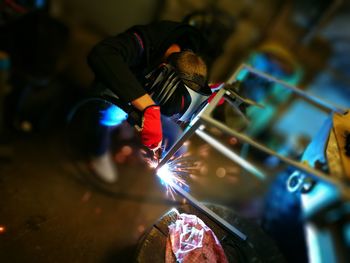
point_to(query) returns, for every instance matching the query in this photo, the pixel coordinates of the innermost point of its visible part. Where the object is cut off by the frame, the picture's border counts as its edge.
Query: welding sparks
(176, 171)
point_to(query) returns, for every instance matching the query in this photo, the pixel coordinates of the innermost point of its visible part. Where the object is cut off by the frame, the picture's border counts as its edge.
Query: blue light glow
(40, 3)
(347, 234)
(113, 116)
(242, 74)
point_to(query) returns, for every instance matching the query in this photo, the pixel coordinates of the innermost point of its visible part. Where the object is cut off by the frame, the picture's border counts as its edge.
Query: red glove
(151, 133)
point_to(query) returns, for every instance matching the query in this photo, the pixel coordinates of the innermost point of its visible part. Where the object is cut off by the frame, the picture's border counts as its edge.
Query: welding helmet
(179, 94)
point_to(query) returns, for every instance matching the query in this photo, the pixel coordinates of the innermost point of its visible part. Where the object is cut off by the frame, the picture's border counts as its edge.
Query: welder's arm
(143, 102)
(111, 60)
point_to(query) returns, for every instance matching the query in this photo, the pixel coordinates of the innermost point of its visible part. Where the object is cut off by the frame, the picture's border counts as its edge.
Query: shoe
(104, 168)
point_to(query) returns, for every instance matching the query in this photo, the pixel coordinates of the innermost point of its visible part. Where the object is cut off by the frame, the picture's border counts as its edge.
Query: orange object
(341, 126)
(2, 229)
(172, 49)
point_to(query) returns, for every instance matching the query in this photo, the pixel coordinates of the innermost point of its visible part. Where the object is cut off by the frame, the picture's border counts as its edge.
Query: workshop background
(53, 210)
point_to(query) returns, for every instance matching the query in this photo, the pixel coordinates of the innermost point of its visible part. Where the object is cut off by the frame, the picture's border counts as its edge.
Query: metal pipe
(302, 167)
(296, 90)
(229, 153)
(186, 134)
(208, 109)
(204, 117)
(208, 212)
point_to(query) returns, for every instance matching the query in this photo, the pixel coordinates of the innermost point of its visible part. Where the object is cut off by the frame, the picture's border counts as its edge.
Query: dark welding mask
(180, 95)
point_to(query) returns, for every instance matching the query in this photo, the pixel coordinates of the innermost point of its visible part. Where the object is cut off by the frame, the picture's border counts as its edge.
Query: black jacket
(121, 62)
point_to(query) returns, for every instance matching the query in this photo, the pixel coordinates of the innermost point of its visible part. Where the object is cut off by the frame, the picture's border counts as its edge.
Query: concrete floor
(52, 213)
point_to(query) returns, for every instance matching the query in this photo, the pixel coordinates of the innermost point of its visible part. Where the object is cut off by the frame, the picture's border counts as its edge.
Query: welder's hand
(151, 132)
(157, 155)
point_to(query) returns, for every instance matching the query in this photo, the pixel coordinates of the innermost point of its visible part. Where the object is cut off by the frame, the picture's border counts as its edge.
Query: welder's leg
(93, 125)
(87, 136)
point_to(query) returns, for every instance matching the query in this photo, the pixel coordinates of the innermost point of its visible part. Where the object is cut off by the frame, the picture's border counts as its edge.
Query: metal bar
(216, 218)
(207, 211)
(204, 117)
(186, 134)
(315, 173)
(212, 104)
(192, 127)
(229, 153)
(296, 90)
(233, 78)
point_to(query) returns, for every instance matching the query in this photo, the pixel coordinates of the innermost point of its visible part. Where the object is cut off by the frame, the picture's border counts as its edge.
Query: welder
(158, 71)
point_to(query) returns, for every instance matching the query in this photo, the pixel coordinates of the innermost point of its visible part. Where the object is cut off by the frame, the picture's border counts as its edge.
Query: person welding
(155, 70)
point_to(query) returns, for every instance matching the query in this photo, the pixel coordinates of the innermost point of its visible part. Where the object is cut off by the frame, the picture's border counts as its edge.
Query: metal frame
(204, 119)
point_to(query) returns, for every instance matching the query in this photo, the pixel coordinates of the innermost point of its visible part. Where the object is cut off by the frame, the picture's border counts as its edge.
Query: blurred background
(51, 207)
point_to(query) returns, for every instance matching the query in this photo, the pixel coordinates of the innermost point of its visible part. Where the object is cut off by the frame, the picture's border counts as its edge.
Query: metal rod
(233, 78)
(186, 134)
(204, 117)
(189, 132)
(207, 211)
(212, 104)
(229, 153)
(313, 172)
(298, 91)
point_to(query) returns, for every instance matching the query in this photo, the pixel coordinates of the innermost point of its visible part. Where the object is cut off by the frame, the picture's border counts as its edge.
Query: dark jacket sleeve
(111, 60)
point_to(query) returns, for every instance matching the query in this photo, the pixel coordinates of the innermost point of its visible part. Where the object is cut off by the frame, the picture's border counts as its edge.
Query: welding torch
(134, 118)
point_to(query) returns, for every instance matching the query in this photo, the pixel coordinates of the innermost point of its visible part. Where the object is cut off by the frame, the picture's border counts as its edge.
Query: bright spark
(176, 171)
(165, 174)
